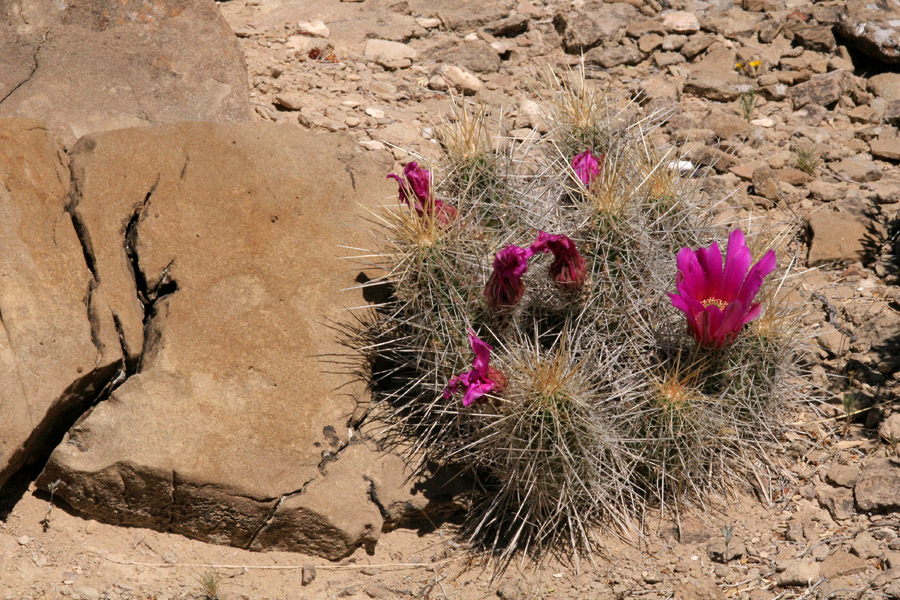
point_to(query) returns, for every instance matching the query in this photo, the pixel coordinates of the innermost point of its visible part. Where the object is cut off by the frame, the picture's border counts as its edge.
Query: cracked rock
(216, 248)
(58, 349)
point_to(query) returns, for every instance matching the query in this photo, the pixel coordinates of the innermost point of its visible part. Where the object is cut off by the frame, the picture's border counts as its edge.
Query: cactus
(578, 396)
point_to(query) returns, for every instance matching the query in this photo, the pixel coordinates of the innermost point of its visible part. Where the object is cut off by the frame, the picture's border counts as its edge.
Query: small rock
(827, 192)
(803, 571)
(652, 577)
(531, 115)
(842, 563)
(842, 475)
(372, 145)
(313, 28)
(87, 592)
(386, 52)
(822, 90)
(461, 79)
(681, 22)
(375, 113)
(23, 541)
(878, 486)
(290, 100)
(765, 184)
(837, 501)
(885, 85)
(865, 545)
(857, 168)
(886, 148)
(889, 429)
(428, 22)
(765, 122)
(815, 37)
(721, 86)
(308, 575)
(611, 57)
(650, 42)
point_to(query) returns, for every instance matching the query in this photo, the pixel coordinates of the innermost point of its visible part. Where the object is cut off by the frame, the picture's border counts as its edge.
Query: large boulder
(93, 65)
(55, 354)
(872, 27)
(217, 248)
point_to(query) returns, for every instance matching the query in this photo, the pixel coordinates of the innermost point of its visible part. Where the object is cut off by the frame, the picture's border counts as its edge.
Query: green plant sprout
(807, 160)
(51, 487)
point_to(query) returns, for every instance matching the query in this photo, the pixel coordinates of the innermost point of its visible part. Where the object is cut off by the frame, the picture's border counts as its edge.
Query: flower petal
(737, 261)
(730, 323)
(754, 279)
(476, 391)
(710, 260)
(482, 352)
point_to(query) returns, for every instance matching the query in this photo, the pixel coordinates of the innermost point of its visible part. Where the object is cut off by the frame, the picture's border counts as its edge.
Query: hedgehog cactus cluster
(633, 369)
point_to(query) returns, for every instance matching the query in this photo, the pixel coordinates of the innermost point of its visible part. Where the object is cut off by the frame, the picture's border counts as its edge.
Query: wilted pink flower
(505, 287)
(719, 302)
(417, 186)
(586, 166)
(481, 379)
(569, 268)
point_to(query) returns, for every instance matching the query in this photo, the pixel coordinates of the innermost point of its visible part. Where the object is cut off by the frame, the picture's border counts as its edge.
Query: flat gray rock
(96, 65)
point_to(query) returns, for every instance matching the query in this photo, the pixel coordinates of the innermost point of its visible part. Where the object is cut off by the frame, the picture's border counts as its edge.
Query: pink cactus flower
(719, 302)
(417, 186)
(505, 287)
(481, 379)
(586, 166)
(569, 268)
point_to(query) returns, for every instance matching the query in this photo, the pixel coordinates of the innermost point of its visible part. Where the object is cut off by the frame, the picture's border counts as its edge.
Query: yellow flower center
(715, 302)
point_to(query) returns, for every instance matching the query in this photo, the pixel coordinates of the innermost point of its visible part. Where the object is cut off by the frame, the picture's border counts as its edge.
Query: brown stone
(871, 28)
(765, 183)
(822, 90)
(230, 235)
(886, 148)
(835, 236)
(597, 24)
(842, 563)
(878, 486)
(885, 85)
(815, 37)
(58, 343)
(96, 65)
(614, 56)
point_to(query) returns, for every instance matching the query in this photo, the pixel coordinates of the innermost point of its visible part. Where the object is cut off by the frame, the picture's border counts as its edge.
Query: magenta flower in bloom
(586, 166)
(505, 287)
(718, 301)
(417, 188)
(569, 268)
(481, 379)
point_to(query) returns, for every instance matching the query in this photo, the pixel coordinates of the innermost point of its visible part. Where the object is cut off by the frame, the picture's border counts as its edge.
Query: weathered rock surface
(58, 347)
(878, 486)
(230, 424)
(96, 65)
(836, 236)
(872, 28)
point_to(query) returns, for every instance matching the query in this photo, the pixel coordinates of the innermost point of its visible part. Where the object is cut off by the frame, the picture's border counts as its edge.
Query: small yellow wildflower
(738, 66)
(754, 64)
